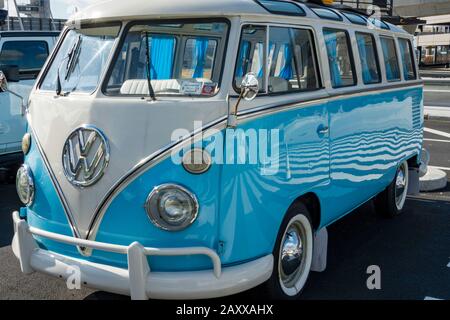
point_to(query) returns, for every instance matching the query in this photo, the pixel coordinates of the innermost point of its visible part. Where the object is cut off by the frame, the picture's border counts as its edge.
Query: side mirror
(3, 82)
(249, 87)
(249, 91)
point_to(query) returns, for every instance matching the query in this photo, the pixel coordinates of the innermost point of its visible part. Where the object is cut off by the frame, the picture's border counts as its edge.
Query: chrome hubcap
(292, 255)
(400, 186)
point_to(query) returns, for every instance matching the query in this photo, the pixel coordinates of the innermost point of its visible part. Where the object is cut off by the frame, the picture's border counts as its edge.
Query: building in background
(35, 8)
(34, 15)
(433, 41)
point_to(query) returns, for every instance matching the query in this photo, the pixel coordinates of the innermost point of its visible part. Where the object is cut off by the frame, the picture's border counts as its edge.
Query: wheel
(292, 255)
(391, 201)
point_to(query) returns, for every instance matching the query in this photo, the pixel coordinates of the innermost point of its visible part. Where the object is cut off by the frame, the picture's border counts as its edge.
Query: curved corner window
(176, 59)
(409, 70)
(390, 59)
(355, 18)
(379, 24)
(327, 14)
(368, 57)
(81, 59)
(340, 58)
(282, 7)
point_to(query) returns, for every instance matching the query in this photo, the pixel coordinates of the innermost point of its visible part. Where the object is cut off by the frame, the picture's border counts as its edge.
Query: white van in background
(22, 55)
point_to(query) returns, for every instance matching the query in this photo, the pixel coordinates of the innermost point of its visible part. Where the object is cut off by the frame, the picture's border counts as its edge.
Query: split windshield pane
(178, 59)
(81, 59)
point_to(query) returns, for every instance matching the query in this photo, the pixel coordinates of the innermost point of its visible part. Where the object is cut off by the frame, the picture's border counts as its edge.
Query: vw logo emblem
(85, 156)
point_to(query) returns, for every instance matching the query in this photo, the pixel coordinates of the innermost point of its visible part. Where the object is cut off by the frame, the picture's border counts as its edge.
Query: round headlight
(171, 207)
(25, 185)
(26, 143)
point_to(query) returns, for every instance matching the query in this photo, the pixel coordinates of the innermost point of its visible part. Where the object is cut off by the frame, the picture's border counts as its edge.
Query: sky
(61, 9)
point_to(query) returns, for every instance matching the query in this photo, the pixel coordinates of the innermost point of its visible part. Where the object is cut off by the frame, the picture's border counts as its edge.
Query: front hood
(133, 128)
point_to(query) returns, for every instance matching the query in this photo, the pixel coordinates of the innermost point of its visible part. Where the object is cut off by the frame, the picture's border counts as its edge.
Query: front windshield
(81, 60)
(170, 59)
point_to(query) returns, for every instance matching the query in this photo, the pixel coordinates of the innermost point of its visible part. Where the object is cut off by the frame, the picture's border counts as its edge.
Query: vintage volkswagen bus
(135, 90)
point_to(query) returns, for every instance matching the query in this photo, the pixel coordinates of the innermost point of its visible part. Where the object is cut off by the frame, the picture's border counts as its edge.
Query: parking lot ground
(412, 251)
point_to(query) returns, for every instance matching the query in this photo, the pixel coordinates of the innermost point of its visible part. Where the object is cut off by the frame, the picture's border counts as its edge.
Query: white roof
(115, 10)
(131, 9)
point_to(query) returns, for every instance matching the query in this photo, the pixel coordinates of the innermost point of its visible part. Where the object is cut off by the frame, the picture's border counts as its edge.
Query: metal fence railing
(386, 6)
(32, 24)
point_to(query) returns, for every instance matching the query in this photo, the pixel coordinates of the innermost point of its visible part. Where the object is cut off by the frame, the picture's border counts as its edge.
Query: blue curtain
(260, 47)
(389, 71)
(287, 72)
(201, 45)
(331, 44)
(367, 76)
(243, 56)
(162, 56)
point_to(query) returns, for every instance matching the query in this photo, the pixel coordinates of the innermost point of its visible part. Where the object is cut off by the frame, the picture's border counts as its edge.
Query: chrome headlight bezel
(159, 218)
(25, 173)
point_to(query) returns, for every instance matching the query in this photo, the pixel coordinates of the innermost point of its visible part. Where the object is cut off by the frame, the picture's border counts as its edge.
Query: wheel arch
(312, 203)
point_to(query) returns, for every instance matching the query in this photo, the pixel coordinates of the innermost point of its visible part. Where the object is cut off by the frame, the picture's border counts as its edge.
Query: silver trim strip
(260, 111)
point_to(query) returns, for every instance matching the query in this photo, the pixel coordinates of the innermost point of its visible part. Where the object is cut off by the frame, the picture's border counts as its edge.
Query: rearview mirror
(249, 91)
(11, 72)
(3, 82)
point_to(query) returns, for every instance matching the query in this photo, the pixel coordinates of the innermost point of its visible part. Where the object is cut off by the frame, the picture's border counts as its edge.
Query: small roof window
(379, 23)
(282, 7)
(355, 18)
(327, 14)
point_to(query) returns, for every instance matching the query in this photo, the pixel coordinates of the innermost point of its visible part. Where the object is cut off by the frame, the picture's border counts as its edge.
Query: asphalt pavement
(412, 251)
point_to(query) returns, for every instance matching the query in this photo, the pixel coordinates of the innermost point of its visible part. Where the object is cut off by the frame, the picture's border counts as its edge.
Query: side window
(390, 59)
(369, 58)
(340, 58)
(409, 70)
(198, 60)
(251, 56)
(291, 60)
(29, 56)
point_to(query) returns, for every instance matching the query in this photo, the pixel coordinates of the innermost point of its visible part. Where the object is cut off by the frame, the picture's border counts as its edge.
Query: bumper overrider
(137, 281)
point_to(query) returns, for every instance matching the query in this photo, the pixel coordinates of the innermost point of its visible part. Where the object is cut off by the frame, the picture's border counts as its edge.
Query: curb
(435, 179)
(433, 117)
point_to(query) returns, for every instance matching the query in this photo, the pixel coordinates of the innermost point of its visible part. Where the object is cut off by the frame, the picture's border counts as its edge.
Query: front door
(280, 147)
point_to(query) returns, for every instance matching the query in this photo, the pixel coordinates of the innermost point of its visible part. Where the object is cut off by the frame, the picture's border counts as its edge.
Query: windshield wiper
(149, 69)
(71, 57)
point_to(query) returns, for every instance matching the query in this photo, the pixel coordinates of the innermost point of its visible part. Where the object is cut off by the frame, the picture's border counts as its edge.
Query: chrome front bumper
(137, 281)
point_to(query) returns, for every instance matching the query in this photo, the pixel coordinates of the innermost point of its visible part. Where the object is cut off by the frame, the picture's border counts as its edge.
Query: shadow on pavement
(412, 252)
(8, 203)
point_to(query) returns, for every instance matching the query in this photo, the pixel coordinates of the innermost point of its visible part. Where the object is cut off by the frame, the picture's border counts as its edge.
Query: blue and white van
(22, 55)
(190, 149)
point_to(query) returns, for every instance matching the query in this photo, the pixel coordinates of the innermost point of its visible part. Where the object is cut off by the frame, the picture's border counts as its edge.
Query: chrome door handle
(323, 130)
